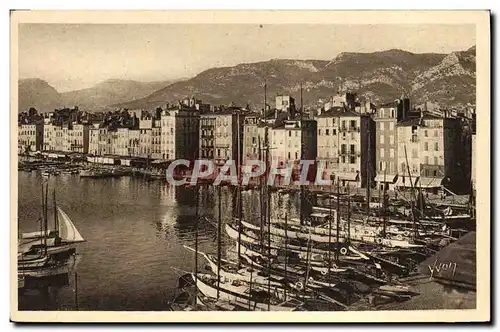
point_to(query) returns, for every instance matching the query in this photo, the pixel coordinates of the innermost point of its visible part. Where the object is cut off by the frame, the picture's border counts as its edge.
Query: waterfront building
(30, 137)
(292, 141)
(134, 136)
(52, 136)
(219, 134)
(346, 146)
(254, 130)
(386, 142)
(431, 146)
(179, 132)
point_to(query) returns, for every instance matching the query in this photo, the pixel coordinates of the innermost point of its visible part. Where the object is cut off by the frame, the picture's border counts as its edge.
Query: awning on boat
(404, 181)
(347, 176)
(391, 178)
(425, 182)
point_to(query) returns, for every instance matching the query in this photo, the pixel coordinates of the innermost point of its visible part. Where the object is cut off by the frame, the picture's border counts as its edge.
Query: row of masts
(265, 215)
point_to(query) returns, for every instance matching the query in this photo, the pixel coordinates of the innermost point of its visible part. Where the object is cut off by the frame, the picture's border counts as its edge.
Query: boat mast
(56, 219)
(286, 249)
(369, 182)
(330, 231)
(219, 221)
(301, 158)
(42, 221)
(384, 205)
(348, 215)
(413, 196)
(338, 222)
(46, 223)
(196, 207)
(268, 220)
(238, 198)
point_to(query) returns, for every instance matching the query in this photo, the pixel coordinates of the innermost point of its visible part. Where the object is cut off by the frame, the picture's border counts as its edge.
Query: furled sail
(67, 230)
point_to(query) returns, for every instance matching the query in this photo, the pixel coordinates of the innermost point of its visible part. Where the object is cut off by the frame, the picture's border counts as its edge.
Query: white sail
(67, 230)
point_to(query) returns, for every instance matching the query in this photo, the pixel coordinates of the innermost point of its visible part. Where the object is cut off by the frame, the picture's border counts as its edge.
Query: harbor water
(135, 231)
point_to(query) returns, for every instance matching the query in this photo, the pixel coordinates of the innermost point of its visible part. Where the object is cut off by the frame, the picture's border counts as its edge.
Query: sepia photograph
(203, 166)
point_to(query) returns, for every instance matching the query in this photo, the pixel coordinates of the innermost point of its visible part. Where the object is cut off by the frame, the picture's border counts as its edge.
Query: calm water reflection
(135, 232)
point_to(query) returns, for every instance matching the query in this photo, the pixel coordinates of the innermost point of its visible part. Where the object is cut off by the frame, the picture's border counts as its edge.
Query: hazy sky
(71, 56)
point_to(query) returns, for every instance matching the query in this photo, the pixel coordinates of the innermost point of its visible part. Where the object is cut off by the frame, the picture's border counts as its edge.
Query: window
(218, 152)
(403, 167)
(289, 133)
(327, 154)
(296, 155)
(343, 159)
(382, 139)
(382, 153)
(343, 123)
(352, 160)
(436, 146)
(334, 131)
(425, 133)
(288, 155)
(392, 113)
(426, 159)
(435, 160)
(352, 148)
(254, 140)
(426, 146)
(391, 153)
(391, 138)
(391, 125)
(352, 124)
(319, 132)
(435, 173)
(327, 132)
(380, 165)
(343, 148)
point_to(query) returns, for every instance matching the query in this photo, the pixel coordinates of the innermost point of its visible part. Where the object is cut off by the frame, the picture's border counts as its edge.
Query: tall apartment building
(254, 130)
(180, 132)
(431, 145)
(386, 118)
(346, 146)
(292, 141)
(30, 137)
(220, 135)
(52, 136)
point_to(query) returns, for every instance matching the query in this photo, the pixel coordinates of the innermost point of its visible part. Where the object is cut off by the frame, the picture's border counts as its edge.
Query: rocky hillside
(111, 92)
(39, 94)
(378, 77)
(34, 92)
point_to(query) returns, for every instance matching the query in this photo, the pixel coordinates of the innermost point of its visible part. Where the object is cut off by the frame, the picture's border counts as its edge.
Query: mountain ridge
(448, 79)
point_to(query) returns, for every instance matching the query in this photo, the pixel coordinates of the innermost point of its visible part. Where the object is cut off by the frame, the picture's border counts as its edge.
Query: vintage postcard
(232, 166)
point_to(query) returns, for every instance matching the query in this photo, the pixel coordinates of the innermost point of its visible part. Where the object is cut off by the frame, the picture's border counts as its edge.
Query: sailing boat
(44, 253)
(62, 239)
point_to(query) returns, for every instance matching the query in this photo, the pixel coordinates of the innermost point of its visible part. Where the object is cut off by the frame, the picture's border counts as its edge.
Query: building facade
(254, 131)
(346, 147)
(30, 137)
(180, 133)
(386, 152)
(429, 147)
(292, 141)
(221, 136)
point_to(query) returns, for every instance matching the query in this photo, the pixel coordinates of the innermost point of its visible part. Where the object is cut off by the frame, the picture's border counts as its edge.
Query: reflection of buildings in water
(167, 195)
(123, 183)
(165, 224)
